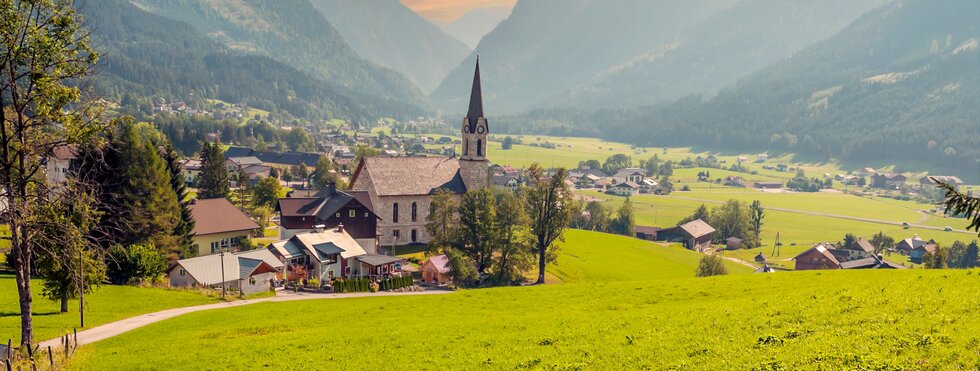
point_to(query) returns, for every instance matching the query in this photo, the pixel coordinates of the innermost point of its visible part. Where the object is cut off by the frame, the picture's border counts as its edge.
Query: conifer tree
(213, 182)
(184, 232)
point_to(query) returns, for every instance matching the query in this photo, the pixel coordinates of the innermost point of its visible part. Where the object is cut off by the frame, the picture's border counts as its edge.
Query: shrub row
(396, 283)
(352, 285)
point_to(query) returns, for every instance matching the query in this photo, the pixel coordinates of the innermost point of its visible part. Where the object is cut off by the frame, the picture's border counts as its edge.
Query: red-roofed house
(817, 257)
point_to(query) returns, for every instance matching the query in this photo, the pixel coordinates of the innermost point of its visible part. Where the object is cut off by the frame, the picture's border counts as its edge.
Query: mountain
(472, 26)
(387, 33)
(717, 52)
(547, 46)
(148, 55)
(900, 83)
(292, 32)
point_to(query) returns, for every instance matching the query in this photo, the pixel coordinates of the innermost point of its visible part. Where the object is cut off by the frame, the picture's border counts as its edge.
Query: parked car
(905, 225)
(948, 228)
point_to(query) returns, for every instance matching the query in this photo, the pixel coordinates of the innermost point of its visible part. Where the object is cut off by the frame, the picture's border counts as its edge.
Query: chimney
(319, 228)
(340, 227)
(331, 189)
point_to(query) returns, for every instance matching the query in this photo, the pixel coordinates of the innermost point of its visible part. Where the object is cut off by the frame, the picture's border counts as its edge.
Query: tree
(625, 220)
(616, 162)
(665, 187)
(599, 216)
(507, 143)
(266, 192)
(711, 265)
(363, 151)
(881, 242)
(440, 223)
(757, 214)
(213, 181)
(969, 259)
(479, 232)
(461, 269)
(515, 254)
(262, 215)
(323, 174)
(184, 231)
(849, 239)
(955, 254)
(45, 55)
(244, 197)
(547, 201)
(732, 219)
(653, 166)
(137, 263)
(299, 140)
(935, 260)
(590, 164)
(700, 213)
(960, 204)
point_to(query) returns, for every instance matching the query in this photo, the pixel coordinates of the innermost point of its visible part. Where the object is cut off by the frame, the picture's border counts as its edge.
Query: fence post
(50, 356)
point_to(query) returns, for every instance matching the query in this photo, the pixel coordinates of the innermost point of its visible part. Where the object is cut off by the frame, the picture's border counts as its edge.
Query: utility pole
(222, 255)
(81, 287)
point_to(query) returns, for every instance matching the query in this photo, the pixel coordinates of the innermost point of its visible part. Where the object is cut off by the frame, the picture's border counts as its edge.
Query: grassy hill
(797, 320)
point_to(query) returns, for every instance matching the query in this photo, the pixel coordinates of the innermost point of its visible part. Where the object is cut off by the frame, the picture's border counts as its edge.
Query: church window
(479, 147)
(466, 145)
(394, 213)
(415, 210)
(414, 236)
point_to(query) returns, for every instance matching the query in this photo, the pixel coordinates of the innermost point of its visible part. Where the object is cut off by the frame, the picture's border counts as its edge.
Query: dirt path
(124, 325)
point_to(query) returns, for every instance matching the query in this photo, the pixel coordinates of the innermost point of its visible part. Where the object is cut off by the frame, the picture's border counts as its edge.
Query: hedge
(364, 284)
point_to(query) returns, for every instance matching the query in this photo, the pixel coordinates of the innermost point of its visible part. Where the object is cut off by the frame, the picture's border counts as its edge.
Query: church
(400, 189)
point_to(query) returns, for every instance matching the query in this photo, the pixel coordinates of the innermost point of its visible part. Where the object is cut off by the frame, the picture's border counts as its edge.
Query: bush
(711, 265)
(136, 264)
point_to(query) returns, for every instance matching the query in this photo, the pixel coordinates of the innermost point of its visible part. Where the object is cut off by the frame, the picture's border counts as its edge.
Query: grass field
(109, 303)
(841, 320)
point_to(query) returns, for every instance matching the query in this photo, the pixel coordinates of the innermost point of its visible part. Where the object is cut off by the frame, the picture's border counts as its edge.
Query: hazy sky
(446, 11)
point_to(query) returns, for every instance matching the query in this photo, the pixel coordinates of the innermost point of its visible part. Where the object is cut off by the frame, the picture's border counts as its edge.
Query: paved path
(118, 327)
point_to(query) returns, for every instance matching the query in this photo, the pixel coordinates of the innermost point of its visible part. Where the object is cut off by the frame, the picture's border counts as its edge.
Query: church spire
(476, 98)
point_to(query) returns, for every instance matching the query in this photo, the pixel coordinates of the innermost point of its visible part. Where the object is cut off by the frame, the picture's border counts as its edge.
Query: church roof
(404, 176)
(476, 99)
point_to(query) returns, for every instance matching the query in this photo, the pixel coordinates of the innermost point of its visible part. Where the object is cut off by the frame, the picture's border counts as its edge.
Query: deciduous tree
(547, 203)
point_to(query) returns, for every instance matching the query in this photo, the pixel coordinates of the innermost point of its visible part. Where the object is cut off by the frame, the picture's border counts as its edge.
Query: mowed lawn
(794, 320)
(594, 257)
(109, 303)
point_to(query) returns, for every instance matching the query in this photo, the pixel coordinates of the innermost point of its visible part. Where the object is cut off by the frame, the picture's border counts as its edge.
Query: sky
(446, 11)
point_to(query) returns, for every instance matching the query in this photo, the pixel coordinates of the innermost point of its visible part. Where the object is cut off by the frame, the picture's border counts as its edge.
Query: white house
(249, 272)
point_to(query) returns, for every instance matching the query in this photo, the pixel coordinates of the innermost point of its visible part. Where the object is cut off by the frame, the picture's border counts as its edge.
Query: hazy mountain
(292, 32)
(900, 83)
(547, 46)
(472, 26)
(389, 34)
(731, 44)
(148, 55)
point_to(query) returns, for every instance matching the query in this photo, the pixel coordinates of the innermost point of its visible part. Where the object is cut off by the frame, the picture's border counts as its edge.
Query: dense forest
(149, 55)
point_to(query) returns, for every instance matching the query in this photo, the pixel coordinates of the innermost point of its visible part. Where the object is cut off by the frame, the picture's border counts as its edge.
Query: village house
(696, 235)
(507, 182)
(646, 232)
(282, 161)
(632, 174)
(191, 168)
(329, 208)
(762, 157)
(769, 185)
(62, 161)
(734, 181)
(906, 246)
(401, 188)
(624, 189)
(887, 180)
(870, 262)
(331, 253)
(219, 226)
(248, 272)
(859, 249)
(918, 254)
(817, 257)
(733, 243)
(948, 179)
(435, 270)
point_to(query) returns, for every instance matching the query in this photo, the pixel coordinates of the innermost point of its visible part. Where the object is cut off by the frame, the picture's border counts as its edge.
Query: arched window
(479, 147)
(466, 145)
(394, 213)
(415, 211)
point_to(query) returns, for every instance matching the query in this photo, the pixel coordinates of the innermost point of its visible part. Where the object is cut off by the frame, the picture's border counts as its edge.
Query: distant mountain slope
(389, 34)
(547, 46)
(735, 42)
(900, 83)
(472, 26)
(149, 55)
(292, 32)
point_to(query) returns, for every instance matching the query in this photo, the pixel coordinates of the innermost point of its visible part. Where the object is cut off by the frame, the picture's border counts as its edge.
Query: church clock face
(466, 129)
(480, 130)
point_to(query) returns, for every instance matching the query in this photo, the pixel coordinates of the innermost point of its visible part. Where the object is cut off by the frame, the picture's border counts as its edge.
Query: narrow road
(124, 325)
(816, 213)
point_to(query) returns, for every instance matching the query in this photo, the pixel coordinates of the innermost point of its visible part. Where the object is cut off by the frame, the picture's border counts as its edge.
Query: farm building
(887, 180)
(624, 189)
(644, 232)
(329, 208)
(249, 272)
(733, 243)
(817, 257)
(859, 249)
(918, 254)
(906, 246)
(435, 270)
(696, 235)
(769, 185)
(760, 258)
(871, 262)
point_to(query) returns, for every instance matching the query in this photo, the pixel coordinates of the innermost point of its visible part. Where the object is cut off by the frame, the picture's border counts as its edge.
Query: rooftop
(218, 215)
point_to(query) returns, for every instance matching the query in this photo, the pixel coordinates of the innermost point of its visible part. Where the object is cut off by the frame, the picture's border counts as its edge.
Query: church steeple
(476, 99)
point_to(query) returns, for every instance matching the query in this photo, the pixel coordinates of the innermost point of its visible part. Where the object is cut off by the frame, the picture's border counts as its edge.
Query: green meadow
(623, 305)
(108, 303)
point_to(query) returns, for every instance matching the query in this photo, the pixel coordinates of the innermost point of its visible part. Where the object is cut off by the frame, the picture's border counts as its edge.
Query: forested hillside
(547, 46)
(389, 34)
(717, 52)
(148, 55)
(295, 33)
(900, 83)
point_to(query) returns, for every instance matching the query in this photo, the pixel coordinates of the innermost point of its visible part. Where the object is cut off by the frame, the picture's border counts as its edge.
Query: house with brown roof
(817, 257)
(60, 162)
(887, 180)
(401, 188)
(219, 226)
(329, 208)
(859, 249)
(696, 235)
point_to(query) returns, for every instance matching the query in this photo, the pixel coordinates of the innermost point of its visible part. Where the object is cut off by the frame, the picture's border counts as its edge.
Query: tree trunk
(23, 274)
(64, 304)
(541, 254)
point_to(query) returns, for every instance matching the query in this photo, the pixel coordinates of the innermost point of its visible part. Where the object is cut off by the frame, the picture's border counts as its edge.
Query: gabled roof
(861, 245)
(646, 229)
(376, 260)
(697, 228)
(65, 152)
(405, 176)
(822, 249)
(282, 158)
(218, 215)
(206, 270)
(245, 160)
(319, 245)
(439, 262)
(871, 262)
(321, 205)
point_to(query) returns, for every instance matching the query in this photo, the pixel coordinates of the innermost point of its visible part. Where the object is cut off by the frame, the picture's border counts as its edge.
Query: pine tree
(184, 231)
(213, 182)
